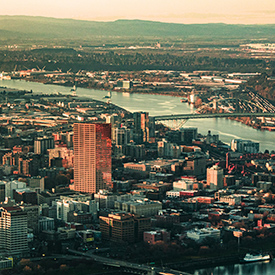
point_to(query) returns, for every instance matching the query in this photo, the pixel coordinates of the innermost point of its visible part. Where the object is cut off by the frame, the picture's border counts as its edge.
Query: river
(259, 268)
(160, 105)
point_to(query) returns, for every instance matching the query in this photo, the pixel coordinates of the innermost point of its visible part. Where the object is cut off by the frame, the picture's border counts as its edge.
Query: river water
(160, 105)
(164, 105)
(259, 268)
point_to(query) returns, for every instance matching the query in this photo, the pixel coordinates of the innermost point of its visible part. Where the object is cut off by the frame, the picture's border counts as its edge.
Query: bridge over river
(129, 267)
(219, 115)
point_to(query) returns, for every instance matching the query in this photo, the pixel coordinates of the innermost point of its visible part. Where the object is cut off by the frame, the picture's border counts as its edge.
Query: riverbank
(179, 94)
(210, 262)
(15, 94)
(248, 121)
(157, 105)
(191, 264)
(206, 262)
(119, 90)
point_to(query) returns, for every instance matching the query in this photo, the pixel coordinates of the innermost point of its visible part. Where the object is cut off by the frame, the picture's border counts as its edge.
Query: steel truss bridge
(180, 119)
(128, 266)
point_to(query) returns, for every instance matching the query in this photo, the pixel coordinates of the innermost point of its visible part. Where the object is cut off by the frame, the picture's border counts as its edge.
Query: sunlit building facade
(141, 127)
(13, 231)
(92, 157)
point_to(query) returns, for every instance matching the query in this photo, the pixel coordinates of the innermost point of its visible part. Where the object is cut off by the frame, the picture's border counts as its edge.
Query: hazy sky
(178, 11)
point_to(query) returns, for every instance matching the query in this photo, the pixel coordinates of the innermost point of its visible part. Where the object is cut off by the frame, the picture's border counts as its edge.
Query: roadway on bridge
(220, 115)
(119, 263)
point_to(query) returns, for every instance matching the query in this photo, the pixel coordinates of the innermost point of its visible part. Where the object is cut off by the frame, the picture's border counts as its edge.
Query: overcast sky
(178, 11)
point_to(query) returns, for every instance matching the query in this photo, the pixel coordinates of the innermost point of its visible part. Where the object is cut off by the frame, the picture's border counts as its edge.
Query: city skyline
(210, 11)
(150, 184)
(129, 145)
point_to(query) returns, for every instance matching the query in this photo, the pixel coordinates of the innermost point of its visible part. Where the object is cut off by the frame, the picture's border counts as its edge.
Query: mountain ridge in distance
(31, 27)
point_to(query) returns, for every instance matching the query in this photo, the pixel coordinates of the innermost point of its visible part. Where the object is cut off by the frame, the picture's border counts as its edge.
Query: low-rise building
(199, 235)
(152, 237)
(185, 183)
(76, 211)
(143, 207)
(263, 185)
(215, 177)
(105, 199)
(245, 146)
(6, 263)
(32, 215)
(45, 224)
(231, 199)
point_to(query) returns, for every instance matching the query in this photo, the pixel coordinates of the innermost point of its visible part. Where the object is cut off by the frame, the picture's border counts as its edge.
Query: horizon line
(132, 19)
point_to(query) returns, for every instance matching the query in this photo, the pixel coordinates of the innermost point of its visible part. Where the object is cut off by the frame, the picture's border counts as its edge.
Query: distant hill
(47, 28)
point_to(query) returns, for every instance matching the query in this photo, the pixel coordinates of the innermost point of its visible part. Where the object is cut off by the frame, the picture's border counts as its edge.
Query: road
(197, 116)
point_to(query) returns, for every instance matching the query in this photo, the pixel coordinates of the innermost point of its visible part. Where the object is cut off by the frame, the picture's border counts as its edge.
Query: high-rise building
(42, 144)
(167, 149)
(2, 192)
(141, 127)
(92, 157)
(13, 230)
(121, 227)
(215, 177)
(67, 156)
(32, 215)
(67, 138)
(195, 166)
(114, 119)
(122, 136)
(12, 185)
(29, 165)
(188, 134)
(152, 127)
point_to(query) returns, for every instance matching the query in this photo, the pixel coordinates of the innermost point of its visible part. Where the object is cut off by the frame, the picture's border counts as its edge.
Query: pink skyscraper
(92, 157)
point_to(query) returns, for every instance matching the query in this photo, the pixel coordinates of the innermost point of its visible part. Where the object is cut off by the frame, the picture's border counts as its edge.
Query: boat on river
(184, 100)
(73, 90)
(249, 258)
